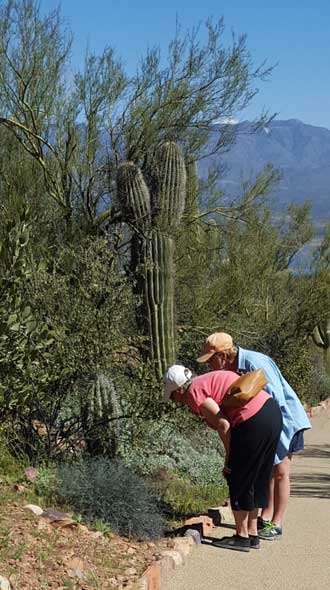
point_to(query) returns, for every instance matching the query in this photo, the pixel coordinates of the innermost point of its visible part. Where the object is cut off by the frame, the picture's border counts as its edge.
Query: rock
(227, 516)
(59, 519)
(4, 583)
(75, 568)
(175, 555)
(75, 563)
(53, 514)
(194, 535)
(130, 571)
(31, 473)
(37, 510)
(205, 521)
(183, 545)
(150, 579)
(97, 535)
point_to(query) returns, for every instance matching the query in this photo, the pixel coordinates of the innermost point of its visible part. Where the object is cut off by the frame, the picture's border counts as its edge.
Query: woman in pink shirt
(250, 443)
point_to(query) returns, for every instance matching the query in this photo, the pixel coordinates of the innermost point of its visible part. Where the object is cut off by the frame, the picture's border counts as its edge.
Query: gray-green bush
(163, 447)
(105, 490)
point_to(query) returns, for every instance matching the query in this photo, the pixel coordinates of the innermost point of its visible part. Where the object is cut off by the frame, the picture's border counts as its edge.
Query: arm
(214, 417)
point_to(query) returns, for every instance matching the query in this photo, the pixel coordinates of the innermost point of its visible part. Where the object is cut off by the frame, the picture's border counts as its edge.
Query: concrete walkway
(301, 559)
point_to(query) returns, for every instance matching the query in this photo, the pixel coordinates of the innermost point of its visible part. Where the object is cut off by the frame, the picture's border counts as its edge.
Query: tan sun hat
(217, 342)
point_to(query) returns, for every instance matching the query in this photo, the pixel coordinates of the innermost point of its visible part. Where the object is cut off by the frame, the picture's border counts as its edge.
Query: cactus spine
(156, 213)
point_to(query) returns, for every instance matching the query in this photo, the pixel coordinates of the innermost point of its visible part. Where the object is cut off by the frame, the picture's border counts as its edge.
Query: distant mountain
(301, 152)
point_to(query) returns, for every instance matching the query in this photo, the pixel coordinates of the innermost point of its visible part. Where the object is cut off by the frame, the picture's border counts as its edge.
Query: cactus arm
(133, 194)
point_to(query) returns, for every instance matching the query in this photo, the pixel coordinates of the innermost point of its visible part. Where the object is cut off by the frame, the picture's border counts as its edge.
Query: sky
(293, 34)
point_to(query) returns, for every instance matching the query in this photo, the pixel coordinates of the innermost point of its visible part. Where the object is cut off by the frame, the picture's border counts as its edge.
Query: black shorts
(253, 446)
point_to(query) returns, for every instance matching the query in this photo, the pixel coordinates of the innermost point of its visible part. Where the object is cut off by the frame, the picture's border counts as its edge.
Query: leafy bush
(104, 490)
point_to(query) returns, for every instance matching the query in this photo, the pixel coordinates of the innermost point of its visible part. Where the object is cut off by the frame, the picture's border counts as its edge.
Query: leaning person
(221, 353)
(250, 435)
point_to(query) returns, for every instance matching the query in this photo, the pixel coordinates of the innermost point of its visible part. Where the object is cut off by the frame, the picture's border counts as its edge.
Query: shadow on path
(317, 452)
(311, 482)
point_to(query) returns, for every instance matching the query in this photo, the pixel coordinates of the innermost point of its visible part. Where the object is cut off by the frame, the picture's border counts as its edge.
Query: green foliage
(25, 340)
(303, 368)
(102, 489)
(162, 447)
(46, 484)
(182, 498)
(89, 300)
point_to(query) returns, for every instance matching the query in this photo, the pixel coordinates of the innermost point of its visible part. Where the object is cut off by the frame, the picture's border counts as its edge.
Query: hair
(231, 353)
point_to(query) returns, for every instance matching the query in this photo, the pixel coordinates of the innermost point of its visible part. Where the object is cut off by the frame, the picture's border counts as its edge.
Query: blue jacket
(294, 415)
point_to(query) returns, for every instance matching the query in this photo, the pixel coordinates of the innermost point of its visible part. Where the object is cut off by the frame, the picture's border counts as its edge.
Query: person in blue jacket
(219, 353)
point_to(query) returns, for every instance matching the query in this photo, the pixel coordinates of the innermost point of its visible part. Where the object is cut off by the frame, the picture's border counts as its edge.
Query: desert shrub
(197, 458)
(181, 498)
(46, 484)
(303, 368)
(105, 490)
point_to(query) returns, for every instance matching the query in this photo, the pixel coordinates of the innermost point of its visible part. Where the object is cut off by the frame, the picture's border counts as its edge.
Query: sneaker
(270, 532)
(235, 542)
(261, 523)
(254, 541)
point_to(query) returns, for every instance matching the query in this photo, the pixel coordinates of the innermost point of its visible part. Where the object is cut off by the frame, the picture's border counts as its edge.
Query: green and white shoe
(270, 532)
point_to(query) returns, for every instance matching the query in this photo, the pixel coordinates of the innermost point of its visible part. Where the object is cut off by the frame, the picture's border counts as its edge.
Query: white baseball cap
(176, 376)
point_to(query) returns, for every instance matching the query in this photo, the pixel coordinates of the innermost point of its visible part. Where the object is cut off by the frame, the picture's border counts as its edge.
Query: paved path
(301, 559)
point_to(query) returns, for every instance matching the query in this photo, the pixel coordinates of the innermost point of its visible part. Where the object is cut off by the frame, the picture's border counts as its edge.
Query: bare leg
(281, 489)
(241, 521)
(252, 522)
(267, 513)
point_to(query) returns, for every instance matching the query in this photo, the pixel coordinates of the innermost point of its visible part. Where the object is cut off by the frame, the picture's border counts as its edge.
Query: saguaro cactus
(321, 337)
(100, 415)
(155, 213)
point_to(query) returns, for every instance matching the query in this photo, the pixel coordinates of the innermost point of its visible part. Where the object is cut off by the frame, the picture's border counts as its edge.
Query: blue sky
(295, 34)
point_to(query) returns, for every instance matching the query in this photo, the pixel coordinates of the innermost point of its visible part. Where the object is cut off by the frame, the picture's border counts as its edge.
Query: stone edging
(182, 547)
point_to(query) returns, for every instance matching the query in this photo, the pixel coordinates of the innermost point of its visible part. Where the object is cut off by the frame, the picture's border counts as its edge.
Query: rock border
(193, 531)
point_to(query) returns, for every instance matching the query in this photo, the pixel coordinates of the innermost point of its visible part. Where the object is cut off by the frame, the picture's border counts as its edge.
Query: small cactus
(101, 415)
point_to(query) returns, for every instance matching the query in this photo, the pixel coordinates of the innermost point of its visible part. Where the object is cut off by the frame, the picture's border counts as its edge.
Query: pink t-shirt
(215, 385)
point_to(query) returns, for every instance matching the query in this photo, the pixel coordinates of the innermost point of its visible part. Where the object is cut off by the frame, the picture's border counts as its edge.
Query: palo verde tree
(78, 133)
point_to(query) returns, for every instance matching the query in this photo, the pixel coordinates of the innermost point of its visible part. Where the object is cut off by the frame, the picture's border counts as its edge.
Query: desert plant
(163, 447)
(155, 212)
(101, 489)
(100, 416)
(321, 337)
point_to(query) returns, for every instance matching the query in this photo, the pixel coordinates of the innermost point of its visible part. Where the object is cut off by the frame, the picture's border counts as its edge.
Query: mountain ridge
(300, 151)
